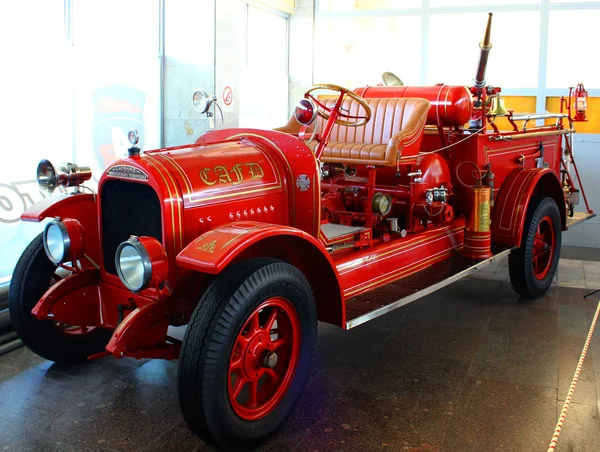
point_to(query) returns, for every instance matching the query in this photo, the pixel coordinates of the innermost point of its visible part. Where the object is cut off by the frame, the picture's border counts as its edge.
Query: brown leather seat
(394, 131)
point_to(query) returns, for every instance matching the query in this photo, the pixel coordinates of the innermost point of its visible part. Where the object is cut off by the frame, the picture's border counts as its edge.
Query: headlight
(56, 241)
(64, 240)
(50, 177)
(140, 262)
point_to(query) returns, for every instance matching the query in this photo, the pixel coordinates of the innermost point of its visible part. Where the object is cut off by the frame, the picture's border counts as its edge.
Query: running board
(578, 217)
(392, 296)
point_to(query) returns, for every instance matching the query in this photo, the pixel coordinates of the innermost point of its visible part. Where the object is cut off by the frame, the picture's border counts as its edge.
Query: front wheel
(532, 266)
(56, 341)
(246, 353)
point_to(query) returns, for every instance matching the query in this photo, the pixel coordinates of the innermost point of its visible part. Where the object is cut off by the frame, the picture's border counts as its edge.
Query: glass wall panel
(35, 116)
(71, 101)
(116, 78)
(358, 5)
(454, 48)
(441, 3)
(572, 56)
(355, 52)
(264, 81)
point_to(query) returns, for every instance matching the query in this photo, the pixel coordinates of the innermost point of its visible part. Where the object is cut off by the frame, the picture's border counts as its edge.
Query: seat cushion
(394, 130)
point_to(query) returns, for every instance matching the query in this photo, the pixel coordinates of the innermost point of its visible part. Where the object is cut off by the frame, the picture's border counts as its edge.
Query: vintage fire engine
(362, 203)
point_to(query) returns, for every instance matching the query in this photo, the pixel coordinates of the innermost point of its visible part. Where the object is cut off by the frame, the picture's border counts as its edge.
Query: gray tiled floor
(469, 368)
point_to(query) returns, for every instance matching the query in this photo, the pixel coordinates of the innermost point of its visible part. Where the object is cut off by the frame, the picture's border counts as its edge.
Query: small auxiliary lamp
(581, 96)
(202, 102)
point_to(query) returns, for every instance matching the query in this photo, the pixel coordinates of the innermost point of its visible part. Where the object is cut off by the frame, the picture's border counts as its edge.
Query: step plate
(578, 217)
(380, 301)
(334, 231)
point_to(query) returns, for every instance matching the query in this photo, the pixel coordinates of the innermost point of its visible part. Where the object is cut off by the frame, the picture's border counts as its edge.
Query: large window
(572, 56)
(454, 51)
(539, 46)
(264, 79)
(356, 51)
(79, 74)
(36, 113)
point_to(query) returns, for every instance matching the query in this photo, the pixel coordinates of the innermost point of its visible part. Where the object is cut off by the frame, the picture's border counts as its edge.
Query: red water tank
(434, 170)
(450, 105)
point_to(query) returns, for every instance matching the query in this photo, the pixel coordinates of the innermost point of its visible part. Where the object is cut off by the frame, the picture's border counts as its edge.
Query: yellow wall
(526, 104)
(519, 104)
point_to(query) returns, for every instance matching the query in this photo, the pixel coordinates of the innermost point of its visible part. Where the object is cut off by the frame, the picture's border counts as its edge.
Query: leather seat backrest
(388, 117)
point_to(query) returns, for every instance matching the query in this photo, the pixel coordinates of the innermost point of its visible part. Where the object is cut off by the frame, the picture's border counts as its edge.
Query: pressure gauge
(382, 204)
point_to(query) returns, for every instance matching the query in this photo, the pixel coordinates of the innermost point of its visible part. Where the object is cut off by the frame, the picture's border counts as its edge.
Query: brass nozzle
(486, 44)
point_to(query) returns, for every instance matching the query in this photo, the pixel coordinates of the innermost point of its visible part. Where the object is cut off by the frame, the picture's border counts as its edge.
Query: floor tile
(494, 415)
(509, 357)
(580, 431)
(580, 252)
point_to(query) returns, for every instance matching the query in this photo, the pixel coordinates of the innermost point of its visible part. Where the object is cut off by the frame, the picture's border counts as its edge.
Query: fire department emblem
(303, 182)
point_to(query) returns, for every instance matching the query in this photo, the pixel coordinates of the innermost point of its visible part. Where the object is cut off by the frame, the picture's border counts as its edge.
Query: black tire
(30, 280)
(204, 372)
(542, 212)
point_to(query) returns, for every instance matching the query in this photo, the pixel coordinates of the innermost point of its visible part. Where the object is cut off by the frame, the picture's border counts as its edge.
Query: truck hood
(217, 172)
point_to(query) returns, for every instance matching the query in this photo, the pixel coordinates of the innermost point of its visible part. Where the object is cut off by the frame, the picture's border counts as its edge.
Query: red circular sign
(227, 95)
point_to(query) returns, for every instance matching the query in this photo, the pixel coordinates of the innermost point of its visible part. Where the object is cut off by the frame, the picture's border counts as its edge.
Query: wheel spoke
(271, 320)
(272, 375)
(253, 393)
(242, 342)
(238, 386)
(278, 343)
(253, 322)
(236, 364)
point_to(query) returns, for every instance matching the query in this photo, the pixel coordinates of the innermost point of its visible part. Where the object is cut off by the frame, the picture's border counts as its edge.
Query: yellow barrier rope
(563, 413)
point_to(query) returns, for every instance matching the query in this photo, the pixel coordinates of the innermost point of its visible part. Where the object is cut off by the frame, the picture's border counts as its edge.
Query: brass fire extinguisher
(478, 235)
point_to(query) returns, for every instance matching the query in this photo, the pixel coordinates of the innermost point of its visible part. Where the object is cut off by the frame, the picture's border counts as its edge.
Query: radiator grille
(128, 208)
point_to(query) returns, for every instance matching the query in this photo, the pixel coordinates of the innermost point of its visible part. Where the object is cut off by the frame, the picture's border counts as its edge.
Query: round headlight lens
(131, 267)
(56, 242)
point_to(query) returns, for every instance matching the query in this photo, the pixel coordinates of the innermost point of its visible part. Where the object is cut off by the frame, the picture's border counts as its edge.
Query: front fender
(510, 209)
(82, 207)
(60, 205)
(214, 250)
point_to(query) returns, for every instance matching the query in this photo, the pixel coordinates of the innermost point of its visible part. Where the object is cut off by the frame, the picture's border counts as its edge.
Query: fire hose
(563, 413)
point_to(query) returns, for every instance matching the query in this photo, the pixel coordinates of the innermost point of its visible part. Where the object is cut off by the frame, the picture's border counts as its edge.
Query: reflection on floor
(469, 368)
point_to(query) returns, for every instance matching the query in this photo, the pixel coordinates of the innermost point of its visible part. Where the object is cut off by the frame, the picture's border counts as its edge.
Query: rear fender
(82, 207)
(216, 249)
(513, 200)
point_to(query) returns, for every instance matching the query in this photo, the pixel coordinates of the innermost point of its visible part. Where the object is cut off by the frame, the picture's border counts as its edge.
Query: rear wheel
(532, 266)
(56, 341)
(246, 353)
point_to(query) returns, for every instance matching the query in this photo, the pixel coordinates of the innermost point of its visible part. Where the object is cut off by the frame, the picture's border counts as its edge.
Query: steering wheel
(337, 111)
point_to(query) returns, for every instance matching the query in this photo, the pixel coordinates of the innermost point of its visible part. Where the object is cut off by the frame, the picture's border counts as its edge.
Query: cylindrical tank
(450, 105)
(478, 236)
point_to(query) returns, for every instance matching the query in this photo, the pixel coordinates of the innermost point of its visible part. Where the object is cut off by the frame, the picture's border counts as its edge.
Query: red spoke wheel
(533, 265)
(264, 359)
(246, 353)
(52, 340)
(543, 248)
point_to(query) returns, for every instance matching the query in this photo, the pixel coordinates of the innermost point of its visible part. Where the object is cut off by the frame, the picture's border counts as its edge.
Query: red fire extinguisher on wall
(581, 96)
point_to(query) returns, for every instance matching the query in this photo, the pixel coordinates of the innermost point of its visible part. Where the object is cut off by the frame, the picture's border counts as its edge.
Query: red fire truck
(362, 203)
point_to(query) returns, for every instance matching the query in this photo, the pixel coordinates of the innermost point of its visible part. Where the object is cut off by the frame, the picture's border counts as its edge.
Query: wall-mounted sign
(227, 96)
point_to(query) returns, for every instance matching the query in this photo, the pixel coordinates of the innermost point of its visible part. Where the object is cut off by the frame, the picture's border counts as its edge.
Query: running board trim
(421, 293)
(578, 218)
